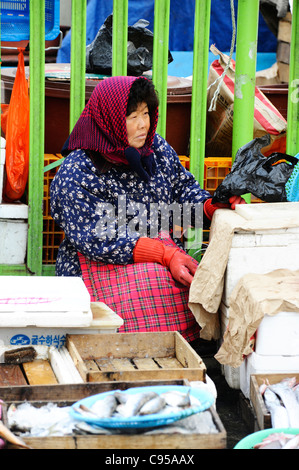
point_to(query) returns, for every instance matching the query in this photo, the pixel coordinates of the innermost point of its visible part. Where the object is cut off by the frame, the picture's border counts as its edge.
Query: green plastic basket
(252, 439)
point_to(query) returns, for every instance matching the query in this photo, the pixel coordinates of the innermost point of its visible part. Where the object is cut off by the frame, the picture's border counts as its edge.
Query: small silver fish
(105, 407)
(84, 411)
(278, 441)
(121, 397)
(296, 391)
(279, 414)
(10, 437)
(292, 443)
(284, 390)
(176, 398)
(134, 403)
(86, 428)
(152, 406)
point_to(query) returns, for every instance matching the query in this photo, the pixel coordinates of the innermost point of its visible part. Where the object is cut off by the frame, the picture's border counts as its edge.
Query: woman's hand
(234, 200)
(182, 268)
(210, 208)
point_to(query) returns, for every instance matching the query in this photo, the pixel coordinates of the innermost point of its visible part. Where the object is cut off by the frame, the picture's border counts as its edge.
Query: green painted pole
(160, 59)
(246, 50)
(36, 141)
(199, 108)
(293, 95)
(78, 61)
(120, 37)
(199, 88)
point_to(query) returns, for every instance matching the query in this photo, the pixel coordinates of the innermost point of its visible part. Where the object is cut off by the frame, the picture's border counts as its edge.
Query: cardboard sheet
(207, 286)
(255, 296)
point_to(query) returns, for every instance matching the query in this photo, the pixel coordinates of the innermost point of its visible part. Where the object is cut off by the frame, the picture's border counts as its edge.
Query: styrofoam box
(44, 301)
(257, 364)
(42, 310)
(262, 251)
(13, 233)
(231, 374)
(278, 335)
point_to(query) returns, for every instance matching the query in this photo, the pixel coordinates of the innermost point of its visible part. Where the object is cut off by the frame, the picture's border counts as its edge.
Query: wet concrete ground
(231, 405)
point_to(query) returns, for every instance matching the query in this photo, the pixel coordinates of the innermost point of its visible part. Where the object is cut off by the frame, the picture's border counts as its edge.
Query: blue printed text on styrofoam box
(38, 340)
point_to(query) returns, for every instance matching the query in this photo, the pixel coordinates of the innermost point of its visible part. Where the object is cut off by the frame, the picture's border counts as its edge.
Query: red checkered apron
(145, 295)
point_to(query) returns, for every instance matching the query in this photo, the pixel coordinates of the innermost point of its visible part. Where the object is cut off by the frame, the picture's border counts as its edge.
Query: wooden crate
(263, 416)
(66, 395)
(135, 356)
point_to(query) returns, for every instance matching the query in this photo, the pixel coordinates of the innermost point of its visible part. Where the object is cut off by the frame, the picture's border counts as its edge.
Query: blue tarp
(181, 28)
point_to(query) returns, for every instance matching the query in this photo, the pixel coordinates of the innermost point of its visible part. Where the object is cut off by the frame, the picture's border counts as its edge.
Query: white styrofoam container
(13, 241)
(41, 310)
(44, 301)
(257, 364)
(260, 252)
(269, 210)
(14, 211)
(13, 233)
(2, 164)
(231, 374)
(278, 335)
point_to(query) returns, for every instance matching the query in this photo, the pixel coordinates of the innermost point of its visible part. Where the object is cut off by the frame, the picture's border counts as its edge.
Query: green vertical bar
(36, 141)
(160, 58)
(119, 37)
(78, 60)
(246, 48)
(199, 107)
(293, 95)
(199, 88)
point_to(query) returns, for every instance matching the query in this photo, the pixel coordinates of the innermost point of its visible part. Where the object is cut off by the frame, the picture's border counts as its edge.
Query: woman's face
(138, 124)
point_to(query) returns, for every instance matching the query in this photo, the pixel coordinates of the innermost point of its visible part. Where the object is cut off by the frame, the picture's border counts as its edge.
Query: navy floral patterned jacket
(95, 208)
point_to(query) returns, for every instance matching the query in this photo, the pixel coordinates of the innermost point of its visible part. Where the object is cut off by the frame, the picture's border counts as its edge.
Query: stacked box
(283, 47)
(13, 233)
(215, 170)
(260, 252)
(44, 309)
(52, 234)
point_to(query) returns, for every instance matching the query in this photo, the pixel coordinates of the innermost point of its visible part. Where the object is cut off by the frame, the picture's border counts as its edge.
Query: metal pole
(199, 88)
(36, 140)
(160, 58)
(78, 61)
(120, 37)
(293, 95)
(246, 50)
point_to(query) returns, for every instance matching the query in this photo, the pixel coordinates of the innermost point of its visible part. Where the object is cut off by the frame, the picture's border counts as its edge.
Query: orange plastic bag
(17, 135)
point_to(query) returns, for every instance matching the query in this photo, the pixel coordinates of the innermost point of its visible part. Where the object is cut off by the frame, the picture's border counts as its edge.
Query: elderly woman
(108, 197)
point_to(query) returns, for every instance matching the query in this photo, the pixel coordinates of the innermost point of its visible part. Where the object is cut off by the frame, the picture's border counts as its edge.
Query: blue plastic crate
(15, 21)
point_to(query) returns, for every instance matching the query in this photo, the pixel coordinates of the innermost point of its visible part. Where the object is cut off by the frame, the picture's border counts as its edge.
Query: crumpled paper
(207, 286)
(254, 296)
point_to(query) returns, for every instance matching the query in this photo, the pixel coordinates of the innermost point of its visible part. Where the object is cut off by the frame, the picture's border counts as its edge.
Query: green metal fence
(246, 50)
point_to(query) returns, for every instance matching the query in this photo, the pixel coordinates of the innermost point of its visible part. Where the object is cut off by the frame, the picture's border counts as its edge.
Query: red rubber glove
(181, 265)
(182, 268)
(210, 208)
(234, 200)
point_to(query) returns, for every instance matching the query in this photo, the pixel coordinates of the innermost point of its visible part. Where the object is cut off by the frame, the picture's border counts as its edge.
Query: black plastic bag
(140, 49)
(252, 172)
